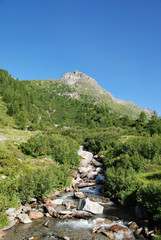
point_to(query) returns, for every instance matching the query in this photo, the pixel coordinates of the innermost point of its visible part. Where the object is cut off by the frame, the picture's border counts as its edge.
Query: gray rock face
(76, 78)
(24, 218)
(90, 206)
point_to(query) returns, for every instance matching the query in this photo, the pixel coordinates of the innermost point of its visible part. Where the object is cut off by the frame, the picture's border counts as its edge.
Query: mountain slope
(88, 86)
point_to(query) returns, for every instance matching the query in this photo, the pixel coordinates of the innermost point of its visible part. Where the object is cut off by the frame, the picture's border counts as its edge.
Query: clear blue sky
(117, 42)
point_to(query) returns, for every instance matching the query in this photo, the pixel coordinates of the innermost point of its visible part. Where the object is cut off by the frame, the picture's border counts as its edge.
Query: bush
(150, 198)
(63, 149)
(120, 181)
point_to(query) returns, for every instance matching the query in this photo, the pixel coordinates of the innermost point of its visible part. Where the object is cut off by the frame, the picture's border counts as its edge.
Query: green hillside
(49, 118)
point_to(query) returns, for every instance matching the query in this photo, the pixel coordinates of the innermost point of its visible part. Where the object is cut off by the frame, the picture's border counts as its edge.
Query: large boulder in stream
(90, 206)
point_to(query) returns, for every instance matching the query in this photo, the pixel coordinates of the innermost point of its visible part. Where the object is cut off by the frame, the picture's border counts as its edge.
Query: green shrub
(150, 198)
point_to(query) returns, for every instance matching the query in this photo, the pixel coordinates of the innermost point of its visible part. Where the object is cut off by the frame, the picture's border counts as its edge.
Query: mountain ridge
(88, 85)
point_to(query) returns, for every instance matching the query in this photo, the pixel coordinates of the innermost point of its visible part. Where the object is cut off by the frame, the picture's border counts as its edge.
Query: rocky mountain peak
(78, 79)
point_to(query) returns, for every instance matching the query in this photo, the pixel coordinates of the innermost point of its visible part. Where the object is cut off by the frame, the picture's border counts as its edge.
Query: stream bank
(81, 212)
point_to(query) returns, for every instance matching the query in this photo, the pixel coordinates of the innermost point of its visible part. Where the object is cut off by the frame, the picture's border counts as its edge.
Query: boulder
(127, 236)
(12, 223)
(98, 221)
(110, 235)
(81, 214)
(35, 215)
(57, 201)
(114, 228)
(96, 163)
(87, 184)
(132, 226)
(92, 175)
(24, 218)
(52, 211)
(90, 206)
(66, 212)
(79, 195)
(75, 183)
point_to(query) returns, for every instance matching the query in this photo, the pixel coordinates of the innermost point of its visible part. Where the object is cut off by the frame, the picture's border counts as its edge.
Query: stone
(87, 184)
(75, 183)
(138, 232)
(114, 228)
(79, 195)
(98, 221)
(81, 214)
(35, 215)
(46, 200)
(2, 234)
(66, 212)
(24, 218)
(33, 200)
(110, 235)
(57, 201)
(52, 211)
(11, 211)
(132, 226)
(92, 207)
(46, 224)
(92, 175)
(34, 238)
(12, 223)
(96, 163)
(128, 236)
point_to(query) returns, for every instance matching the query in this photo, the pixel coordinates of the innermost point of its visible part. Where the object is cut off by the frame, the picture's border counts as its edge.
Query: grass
(153, 175)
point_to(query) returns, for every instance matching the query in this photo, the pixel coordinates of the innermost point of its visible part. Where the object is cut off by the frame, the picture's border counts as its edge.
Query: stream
(79, 228)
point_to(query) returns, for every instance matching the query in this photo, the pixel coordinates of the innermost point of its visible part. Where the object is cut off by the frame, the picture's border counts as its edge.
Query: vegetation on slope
(31, 116)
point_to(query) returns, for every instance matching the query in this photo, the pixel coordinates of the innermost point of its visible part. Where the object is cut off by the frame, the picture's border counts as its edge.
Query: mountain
(89, 86)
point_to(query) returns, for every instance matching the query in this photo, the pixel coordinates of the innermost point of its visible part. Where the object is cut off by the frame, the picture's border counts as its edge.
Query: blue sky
(117, 42)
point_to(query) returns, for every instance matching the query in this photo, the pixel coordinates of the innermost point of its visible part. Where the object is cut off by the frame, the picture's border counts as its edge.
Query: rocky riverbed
(80, 212)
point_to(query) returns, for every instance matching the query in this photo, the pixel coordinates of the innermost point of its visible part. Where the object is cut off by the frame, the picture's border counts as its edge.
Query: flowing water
(74, 229)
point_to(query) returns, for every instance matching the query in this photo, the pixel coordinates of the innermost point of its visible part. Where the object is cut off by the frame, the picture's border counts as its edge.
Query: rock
(57, 201)
(46, 224)
(81, 214)
(87, 184)
(34, 238)
(92, 175)
(12, 224)
(11, 211)
(24, 218)
(114, 228)
(110, 235)
(138, 232)
(79, 195)
(75, 183)
(35, 215)
(2, 234)
(33, 200)
(132, 226)
(98, 221)
(98, 169)
(128, 236)
(92, 207)
(69, 206)
(46, 200)
(67, 212)
(83, 175)
(96, 163)
(52, 211)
